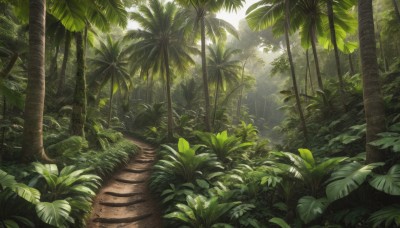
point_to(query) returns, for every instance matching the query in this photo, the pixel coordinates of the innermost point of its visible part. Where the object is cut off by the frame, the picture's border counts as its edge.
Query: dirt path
(125, 200)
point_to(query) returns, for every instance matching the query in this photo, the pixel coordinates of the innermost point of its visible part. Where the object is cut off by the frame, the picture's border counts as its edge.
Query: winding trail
(125, 199)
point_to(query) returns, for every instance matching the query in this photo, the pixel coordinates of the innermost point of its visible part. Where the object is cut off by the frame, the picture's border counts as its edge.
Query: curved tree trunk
(309, 73)
(78, 117)
(373, 102)
(61, 80)
(352, 72)
(7, 69)
(32, 140)
(239, 104)
(335, 49)
(292, 71)
(169, 98)
(204, 71)
(110, 103)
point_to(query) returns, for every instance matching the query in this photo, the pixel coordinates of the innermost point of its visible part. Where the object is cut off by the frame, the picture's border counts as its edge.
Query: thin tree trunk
(78, 117)
(306, 80)
(204, 71)
(309, 73)
(4, 73)
(292, 71)
(53, 65)
(3, 131)
(351, 65)
(169, 98)
(32, 139)
(335, 48)
(316, 61)
(373, 101)
(215, 102)
(110, 103)
(396, 9)
(61, 80)
(239, 104)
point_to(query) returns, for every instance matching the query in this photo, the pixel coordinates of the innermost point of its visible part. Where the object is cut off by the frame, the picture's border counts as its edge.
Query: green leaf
(280, 222)
(6, 180)
(183, 145)
(389, 183)
(390, 216)
(202, 183)
(30, 194)
(310, 208)
(55, 213)
(307, 156)
(347, 179)
(71, 13)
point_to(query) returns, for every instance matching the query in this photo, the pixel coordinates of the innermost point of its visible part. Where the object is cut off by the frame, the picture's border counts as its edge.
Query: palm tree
(373, 101)
(222, 69)
(260, 16)
(162, 42)
(202, 10)
(32, 143)
(111, 66)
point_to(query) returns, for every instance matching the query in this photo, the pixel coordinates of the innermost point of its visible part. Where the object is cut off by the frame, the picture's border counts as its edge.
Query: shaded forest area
(292, 119)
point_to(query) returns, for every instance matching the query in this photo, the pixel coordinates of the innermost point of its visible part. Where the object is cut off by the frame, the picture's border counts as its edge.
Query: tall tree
(32, 142)
(162, 42)
(111, 66)
(78, 117)
(203, 9)
(222, 69)
(373, 101)
(264, 14)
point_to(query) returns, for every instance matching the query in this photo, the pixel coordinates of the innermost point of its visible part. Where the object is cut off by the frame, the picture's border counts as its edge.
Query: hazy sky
(232, 17)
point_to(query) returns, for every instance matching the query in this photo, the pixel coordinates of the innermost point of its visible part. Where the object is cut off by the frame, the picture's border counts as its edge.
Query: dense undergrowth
(60, 195)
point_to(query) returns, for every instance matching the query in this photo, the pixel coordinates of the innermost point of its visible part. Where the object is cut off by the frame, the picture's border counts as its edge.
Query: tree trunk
(61, 80)
(3, 131)
(351, 65)
(316, 61)
(53, 65)
(169, 98)
(32, 140)
(110, 103)
(239, 104)
(78, 117)
(306, 80)
(335, 48)
(309, 73)
(373, 102)
(7, 69)
(204, 71)
(396, 9)
(215, 102)
(292, 71)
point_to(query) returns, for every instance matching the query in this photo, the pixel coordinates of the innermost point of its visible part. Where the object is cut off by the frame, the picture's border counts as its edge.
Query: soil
(125, 199)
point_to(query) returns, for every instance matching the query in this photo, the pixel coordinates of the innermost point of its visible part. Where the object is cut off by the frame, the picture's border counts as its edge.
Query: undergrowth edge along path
(125, 199)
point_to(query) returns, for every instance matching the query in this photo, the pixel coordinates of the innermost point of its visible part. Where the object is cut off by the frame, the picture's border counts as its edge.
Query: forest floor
(125, 199)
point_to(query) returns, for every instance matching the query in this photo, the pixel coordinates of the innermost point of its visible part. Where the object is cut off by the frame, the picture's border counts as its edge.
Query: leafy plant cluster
(215, 184)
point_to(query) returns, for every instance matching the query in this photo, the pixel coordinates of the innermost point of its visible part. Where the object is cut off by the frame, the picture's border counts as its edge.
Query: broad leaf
(347, 179)
(183, 145)
(389, 183)
(310, 208)
(307, 156)
(390, 216)
(55, 213)
(280, 222)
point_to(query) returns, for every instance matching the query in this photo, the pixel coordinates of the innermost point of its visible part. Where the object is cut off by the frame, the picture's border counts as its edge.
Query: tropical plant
(157, 52)
(184, 165)
(202, 212)
(222, 69)
(111, 66)
(203, 17)
(222, 145)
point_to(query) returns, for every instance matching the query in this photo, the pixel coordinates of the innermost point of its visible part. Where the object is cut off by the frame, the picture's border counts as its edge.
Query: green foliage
(224, 146)
(347, 179)
(247, 132)
(55, 213)
(8, 181)
(202, 212)
(279, 222)
(310, 208)
(389, 139)
(184, 165)
(388, 183)
(387, 216)
(71, 145)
